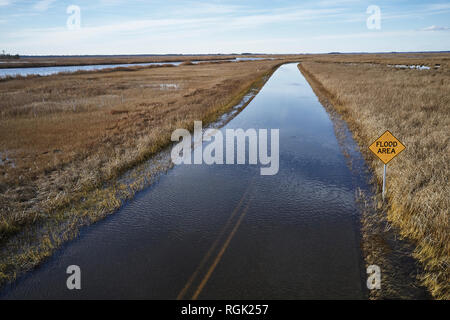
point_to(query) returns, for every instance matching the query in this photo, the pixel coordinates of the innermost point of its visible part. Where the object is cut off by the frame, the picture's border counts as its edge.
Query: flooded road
(225, 231)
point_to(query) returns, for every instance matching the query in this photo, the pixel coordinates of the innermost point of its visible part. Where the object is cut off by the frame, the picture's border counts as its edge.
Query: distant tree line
(5, 55)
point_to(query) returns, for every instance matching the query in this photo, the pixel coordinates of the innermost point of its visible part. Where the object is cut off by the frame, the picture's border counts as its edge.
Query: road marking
(220, 254)
(213, 247)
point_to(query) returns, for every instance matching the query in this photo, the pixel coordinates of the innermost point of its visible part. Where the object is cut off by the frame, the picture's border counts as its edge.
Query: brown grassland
(64, 136)
(415, 106)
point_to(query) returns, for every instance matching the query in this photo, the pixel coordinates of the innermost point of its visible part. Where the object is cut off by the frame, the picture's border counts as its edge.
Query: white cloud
(435, 28)
(336, 3)
(213, 22)
(221, 26)
(438, 6)
(198, 9)
(43, 5)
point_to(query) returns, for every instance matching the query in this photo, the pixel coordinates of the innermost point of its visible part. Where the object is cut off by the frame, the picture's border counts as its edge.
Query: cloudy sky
(227, 26)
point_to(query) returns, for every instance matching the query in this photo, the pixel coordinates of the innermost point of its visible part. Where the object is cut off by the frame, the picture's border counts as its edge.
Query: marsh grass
(414, 106)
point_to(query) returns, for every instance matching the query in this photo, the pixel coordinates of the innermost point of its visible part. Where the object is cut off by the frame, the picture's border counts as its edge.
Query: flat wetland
(63, 137)
(51, 61)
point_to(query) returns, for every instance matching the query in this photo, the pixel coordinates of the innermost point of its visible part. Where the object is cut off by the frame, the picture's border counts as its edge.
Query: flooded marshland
(227, 232)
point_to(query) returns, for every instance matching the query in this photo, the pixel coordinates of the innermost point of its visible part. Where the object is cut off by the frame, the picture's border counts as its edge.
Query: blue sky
(227, 26)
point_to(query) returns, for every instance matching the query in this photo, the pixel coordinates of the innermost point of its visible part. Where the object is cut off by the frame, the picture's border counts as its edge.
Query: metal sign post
(384, 181)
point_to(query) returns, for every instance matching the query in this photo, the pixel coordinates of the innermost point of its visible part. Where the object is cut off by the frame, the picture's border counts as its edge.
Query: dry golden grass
(414, 106)
(64, 136)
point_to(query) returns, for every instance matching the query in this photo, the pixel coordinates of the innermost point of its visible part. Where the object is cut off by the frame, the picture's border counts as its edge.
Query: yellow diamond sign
(387, 147)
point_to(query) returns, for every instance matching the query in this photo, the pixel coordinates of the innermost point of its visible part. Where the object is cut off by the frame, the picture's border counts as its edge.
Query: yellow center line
(212, 248)
(220, 254)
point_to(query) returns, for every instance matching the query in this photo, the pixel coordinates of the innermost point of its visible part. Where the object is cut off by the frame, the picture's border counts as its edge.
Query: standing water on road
(225, 231)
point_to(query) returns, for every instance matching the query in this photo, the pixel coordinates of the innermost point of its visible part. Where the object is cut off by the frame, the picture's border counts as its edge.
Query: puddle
(162, 86)
(403, 66)
(6, 161)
